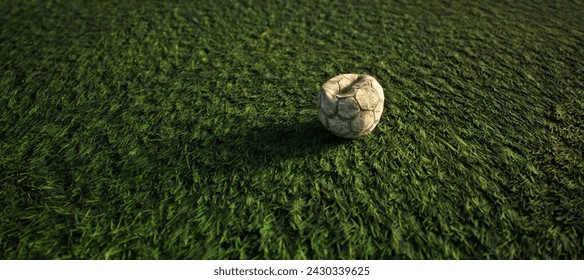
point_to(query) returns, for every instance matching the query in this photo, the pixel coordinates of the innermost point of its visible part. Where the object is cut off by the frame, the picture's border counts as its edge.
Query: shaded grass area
(140, 130)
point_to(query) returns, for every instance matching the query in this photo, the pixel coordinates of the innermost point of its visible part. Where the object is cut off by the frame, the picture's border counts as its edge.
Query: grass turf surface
(135, 129)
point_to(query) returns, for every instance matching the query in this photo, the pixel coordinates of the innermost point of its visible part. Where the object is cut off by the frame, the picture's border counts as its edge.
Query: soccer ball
(350, 105)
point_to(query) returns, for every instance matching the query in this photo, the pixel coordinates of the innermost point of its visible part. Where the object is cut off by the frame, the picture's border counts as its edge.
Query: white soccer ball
(350, 105)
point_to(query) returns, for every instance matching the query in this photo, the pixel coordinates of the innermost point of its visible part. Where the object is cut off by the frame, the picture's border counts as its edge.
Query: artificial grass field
(187, 130)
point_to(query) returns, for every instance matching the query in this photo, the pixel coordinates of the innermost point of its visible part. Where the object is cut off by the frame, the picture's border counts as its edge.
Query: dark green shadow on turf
(292, 140)
(268, 145)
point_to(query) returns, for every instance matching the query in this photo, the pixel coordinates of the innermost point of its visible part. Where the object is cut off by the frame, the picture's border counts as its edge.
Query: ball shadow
(279, 142)
(268, 145)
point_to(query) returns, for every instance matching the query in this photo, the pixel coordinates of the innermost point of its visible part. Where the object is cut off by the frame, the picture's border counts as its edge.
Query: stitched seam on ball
(343, 91)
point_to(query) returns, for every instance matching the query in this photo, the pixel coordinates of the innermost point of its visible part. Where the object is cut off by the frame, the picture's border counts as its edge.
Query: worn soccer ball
(350, 105)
